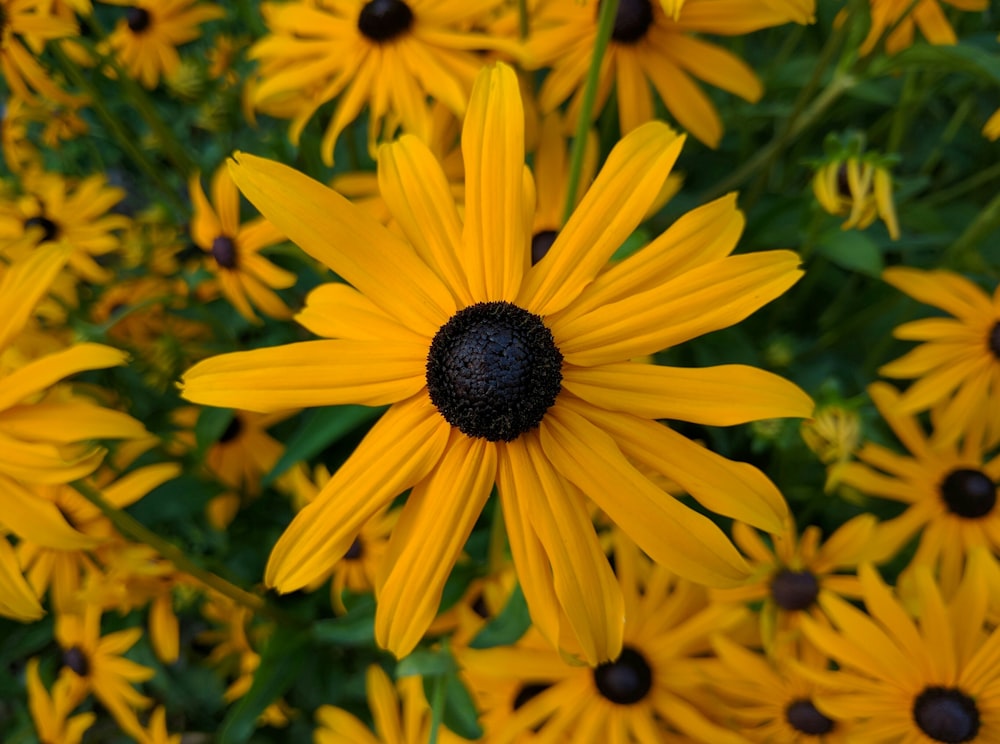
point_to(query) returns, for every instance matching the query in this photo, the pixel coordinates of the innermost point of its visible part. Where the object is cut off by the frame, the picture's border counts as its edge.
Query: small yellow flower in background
(904, 17)
(245, 278)
(25, 25)
(147, 37)
(900, 679)
(562, 427)
(859, 187)
(956, 368)
(50, 710)
(833, 434)
(991, 129)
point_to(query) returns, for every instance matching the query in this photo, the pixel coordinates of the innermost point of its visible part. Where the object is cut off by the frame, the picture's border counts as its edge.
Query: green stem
(963, 252)
(135, 530)
(904, 111)
(437, 707)
(971, 183)
(124, 140)
(522, 19)
(605, 25)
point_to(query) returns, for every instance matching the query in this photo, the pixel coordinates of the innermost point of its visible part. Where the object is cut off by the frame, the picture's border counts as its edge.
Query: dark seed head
(356, 550)
(843, 183)
(794, 590)
(632, 21)
(233, 429)
(493, 370)
(224, 252)
(540, 244)
(50, 229)
(137, 19)
(383, 20)
(994, 340)
(946, 714)
(803, 716)
(76, 659)
(480, 607)
(625, 681)
(968, 493)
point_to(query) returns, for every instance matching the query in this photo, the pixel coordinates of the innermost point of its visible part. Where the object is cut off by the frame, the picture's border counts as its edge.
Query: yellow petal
(25, 282)
(41, 373)
(309, 373)
(17, 600)
(45, 463)
(34, 518)
(340, 311)
(62, 423)
(943, 289)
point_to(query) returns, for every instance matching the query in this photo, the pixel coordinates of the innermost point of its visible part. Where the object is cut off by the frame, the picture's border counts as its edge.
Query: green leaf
(356, 628)
(280, 663)
(427, 663)
(320, 428)
(852, 250)
(962, 57)
(459, 714)
(211, 424)
(507, 627)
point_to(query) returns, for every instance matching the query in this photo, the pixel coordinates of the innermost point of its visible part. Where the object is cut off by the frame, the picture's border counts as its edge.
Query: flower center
(76, 659)
(803, 716)
(383, 20)
(540, 243)
(632, 21)
(224, 252)
(994, 340)
(50, 228)
(625, 681)
(794, 590)
(968, 493)
(233, 429)
(138, 19)
(946, 714)
(356, 550)
(493, 370)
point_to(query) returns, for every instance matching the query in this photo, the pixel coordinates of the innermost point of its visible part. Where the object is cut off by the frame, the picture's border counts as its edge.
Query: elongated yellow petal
(24, 283)
(332, 230)
(715, 396)
(39, 374)
(340, 311)
(398, 452)
(45, 463)
(309, 373)
(34, 518)
(132, 486)
(428, 538)
(17, 600)
(943, 289)
(62, 423)
(670, 533)
(495, 238)
(611, 209)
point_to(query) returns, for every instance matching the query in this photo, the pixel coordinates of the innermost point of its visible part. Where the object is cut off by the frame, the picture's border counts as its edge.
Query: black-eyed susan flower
(654, 691)
(649, 50)
(388, 55)
(245, 277)
(929, 680)
(792, 573)
(858, 188)
(51, 711)
(956, 368)
(146, 38)
(901, 19)
(401, 715)
(26, 25)
(949, 489)
(505, 373)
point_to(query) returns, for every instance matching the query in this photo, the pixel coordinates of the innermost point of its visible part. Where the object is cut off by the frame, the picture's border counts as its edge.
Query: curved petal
(432, 529)
(943, 289)
(45, 463)
(608, 213)
(17, 600)
(34, 518)
(39, 374)
(308, 373)
(399, 451)
(24, 283)
(332, 230)
(685, 101)
(715, 396)
(495, 238)
(673, 535)
(62, 423)
(340, 311)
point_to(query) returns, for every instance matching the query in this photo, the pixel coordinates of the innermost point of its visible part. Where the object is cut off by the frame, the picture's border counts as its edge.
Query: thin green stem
(903, 111)
(522, 19)
(605, 25)
(437, 707)
(123, 138)
(963, 252)
(970, 183)
(135, 530)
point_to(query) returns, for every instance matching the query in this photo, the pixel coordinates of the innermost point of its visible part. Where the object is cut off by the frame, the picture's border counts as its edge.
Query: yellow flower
(243, 274)
(949, 489)
(503, 372)
(387, 54)
(401, 713)
(18, 600)
(900, 680)
(858, 188)
(956, 369)
(647, 48)
(27, 25)
(146, 39)
(51, 712)
(905, 16)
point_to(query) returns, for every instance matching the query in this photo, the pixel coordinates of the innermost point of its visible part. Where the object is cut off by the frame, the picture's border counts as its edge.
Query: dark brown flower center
(843, 182)
(994, 340)
(803, 716)
(794, 590)
(626, 680)
(138, 19)
(233, 429)
(946, 714)
(224, 252)
(384, 20)
(968, 493)
(50, 230)
(75, 658)
(632, 21)
(493, 370)
(540, 243)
